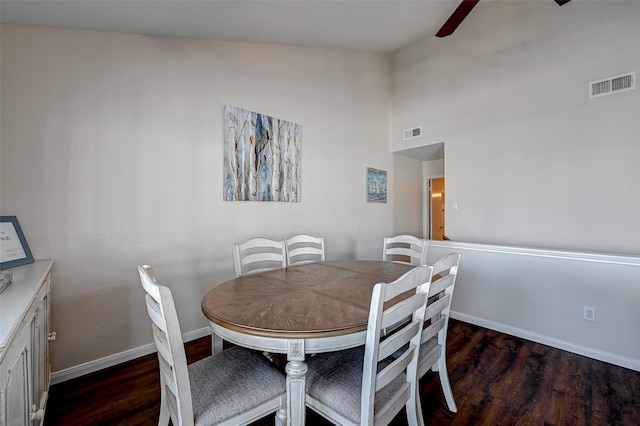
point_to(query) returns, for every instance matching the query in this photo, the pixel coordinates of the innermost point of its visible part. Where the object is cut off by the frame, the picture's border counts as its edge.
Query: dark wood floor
(496, 379)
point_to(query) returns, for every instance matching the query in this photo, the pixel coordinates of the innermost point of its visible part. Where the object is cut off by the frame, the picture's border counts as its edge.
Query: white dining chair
(364, 385)
(235, 387)
(405, 249)
(433, 347)
(258, 255)
(303, 249)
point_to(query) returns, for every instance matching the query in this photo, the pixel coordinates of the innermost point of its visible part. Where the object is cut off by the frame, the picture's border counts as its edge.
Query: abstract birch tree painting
(261, 157)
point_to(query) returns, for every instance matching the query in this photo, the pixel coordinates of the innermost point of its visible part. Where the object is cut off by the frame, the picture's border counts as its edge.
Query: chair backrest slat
(397, 313)
(441, 291)
(155, 313)
(405, 249)
(303, 249)
(398, 339)
(387, 413)
(173, 406)
(166, 371)
(440, 285)
(393, 370)
(162, 345)
(438, 305)
(433, 329)
(258, 255)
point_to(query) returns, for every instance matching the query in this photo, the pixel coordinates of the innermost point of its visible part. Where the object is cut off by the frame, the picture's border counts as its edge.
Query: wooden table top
(314, 300)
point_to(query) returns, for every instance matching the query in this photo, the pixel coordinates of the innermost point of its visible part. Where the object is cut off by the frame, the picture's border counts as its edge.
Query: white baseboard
(630, 363)
(119, 358)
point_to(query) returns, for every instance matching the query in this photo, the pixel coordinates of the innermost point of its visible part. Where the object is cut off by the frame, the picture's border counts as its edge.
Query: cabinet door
(24, 369)
(17, 391)
(40, 359)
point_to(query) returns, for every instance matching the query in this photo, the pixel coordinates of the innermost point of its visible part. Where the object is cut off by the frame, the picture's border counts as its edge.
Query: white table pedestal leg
(296, 371)
(217, 344)
(296, 391)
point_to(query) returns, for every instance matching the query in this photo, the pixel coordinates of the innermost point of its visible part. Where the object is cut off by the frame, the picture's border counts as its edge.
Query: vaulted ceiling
(355, 25)
(359, 25)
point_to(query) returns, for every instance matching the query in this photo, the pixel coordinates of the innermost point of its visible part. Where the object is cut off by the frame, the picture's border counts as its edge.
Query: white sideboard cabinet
(24, 345)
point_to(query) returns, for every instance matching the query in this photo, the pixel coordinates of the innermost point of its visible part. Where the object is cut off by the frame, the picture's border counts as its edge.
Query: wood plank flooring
(497, 379)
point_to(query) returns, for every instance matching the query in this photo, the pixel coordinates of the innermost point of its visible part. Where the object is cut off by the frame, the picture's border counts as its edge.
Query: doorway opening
(435, 208)
(432, 158)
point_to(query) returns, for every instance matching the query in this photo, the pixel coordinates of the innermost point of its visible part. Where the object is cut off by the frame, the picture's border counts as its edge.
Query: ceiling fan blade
(561, 2)
(458, 16)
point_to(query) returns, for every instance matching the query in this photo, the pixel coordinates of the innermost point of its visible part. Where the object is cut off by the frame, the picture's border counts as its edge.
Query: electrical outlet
(589, 313)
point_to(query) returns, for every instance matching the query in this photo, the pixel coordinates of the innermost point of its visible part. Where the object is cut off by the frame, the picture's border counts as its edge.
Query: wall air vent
(608, 86)
(412, 133)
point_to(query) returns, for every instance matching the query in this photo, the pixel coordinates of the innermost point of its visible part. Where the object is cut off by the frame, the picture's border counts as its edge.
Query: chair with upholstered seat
(364, 385)
(303, 249)
(405, 249)
(258, 255)
(235, 387)
(433, 347)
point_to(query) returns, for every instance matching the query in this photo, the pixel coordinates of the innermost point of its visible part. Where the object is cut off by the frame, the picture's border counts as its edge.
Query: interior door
(436, 209)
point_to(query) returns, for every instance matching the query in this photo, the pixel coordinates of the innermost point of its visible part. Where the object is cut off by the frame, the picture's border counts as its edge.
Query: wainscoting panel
(541, 295)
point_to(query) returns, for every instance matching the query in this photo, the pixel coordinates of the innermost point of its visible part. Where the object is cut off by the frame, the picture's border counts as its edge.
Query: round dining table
(299, 310)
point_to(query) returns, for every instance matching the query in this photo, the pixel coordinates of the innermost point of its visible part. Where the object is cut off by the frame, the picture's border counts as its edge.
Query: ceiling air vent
(607, 86)
(412, 133)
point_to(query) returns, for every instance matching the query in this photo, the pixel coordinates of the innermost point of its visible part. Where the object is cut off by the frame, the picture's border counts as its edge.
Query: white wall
(433, 168)
(529, 159)
(532, 162)
(407, 193)
(112, 157)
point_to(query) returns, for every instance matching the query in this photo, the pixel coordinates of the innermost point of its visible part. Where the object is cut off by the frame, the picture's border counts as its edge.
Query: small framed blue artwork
(14, 250)
(376, 185)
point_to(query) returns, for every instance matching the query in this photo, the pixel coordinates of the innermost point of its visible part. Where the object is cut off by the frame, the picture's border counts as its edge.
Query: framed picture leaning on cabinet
(14, 250)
